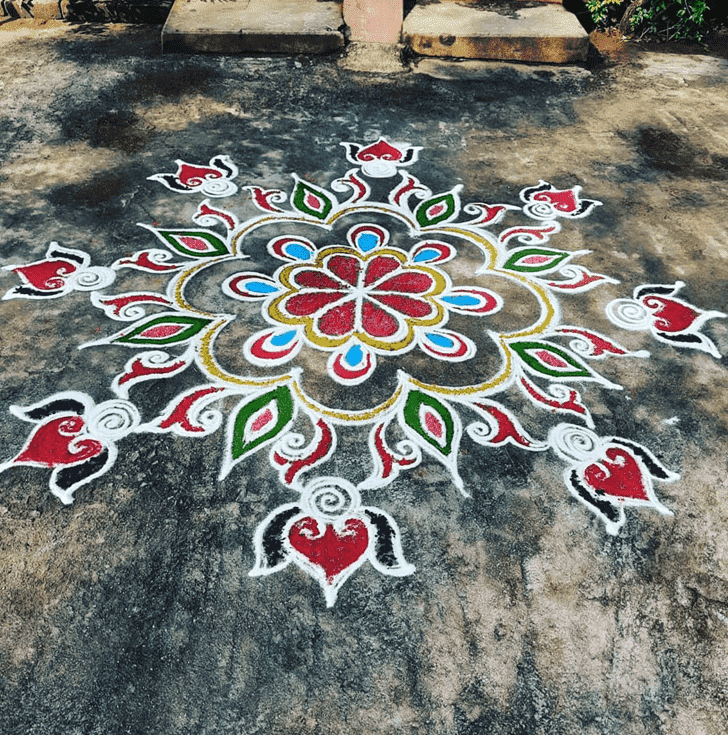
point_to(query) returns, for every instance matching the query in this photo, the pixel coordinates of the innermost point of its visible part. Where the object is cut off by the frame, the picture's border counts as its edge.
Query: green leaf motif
(436, 210)
(535, 260)
(167, 329)
(431, 419)
(282, 403)
(547, 359)
(311, 200)
(194, 243)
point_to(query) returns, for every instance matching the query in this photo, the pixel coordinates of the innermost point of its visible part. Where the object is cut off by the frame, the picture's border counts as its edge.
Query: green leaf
(431, 419)
(246, 436)
(311, 200)
(535, 260)
(167, 329)
(547, 359)
(437, 209)
(194, 243)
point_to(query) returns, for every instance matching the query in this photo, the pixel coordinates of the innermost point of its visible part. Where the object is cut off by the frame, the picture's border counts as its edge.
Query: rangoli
(374, 304)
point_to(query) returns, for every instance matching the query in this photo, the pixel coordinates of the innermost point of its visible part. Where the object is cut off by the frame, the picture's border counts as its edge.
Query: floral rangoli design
(372, 304)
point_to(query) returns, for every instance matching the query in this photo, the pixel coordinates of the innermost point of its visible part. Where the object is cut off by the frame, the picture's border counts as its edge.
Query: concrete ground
(515, 553)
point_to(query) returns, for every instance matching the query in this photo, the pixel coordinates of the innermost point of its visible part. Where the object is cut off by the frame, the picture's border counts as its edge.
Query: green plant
(672, 19)
(601, 10)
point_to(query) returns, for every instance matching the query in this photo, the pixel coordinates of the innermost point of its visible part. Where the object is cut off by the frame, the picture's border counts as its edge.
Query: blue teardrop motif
(299, 252)
(427, 254)
(354, 355)
(260, 287)
(283, 339)
(440, 340)
(461, 300)
(367, 241)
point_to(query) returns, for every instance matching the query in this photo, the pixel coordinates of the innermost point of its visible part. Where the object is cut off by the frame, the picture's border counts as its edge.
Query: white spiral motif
(408, 450)
(92, 278)
(628, 314)
(379, 169)
(331, 497)
(292, 445)
(539, 210)
(113, 419)
(207, 418)
(155, 358)
(582, 346)
(481, 432)
(130, 312)
(574, 442)
(218, 188)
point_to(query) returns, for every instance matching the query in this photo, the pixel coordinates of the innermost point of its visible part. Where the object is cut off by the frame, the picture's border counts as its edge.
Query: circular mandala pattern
(360, 293)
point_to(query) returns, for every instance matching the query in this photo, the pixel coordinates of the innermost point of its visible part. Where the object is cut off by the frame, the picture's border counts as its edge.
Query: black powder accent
(655, 469)
(220, 163)
(648, 290)
(28, 291)
(605, 508)
(682, 338)
(173, 183)
(528, 193)
(384, 547)
(65, 255)
(65, 405)
(273, 536)
(70, 476)
(584, 208)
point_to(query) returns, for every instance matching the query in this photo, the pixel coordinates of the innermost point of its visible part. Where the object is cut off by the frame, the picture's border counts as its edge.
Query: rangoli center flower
(376, 298)
(358, 301)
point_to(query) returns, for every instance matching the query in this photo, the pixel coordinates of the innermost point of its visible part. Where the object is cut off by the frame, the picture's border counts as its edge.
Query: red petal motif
(339, 320)
(331, 551)
(379, 267)
(50, 444)
(346, 268)
(317, 279)
(619, 475)
(306, 304)
(409, 282)
(376, 322)
(670, 316)
(47, 275)
(411, 307)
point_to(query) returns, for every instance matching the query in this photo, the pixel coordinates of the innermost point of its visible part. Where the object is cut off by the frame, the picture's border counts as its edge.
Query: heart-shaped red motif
(48, 275)
(331, 550)
(670, 316)
(619, 475)
(50, 444)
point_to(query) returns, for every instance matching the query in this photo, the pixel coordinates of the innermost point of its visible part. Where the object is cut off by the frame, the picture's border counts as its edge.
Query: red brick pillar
(377, 21)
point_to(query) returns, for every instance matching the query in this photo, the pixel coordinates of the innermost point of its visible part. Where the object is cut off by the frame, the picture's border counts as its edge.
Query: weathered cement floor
(131, 610)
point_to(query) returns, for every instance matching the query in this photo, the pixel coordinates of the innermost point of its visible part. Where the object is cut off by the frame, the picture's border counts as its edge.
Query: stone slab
(509, 31)
(254, 26)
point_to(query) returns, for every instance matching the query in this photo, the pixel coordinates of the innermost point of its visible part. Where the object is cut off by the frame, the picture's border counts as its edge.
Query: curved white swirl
(539, 210)
(292, 445)
(218, 188)
(92, 278)
(379, 169)
(408, 450)
(130, 312)
(574, 443)
(481, 432)
(113, 419)
(208, 418)
(628, 314)
(331, 497)
(582, 346)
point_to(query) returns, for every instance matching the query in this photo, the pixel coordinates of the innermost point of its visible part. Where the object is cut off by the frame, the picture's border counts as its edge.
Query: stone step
(507, 30)
(254, 26)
